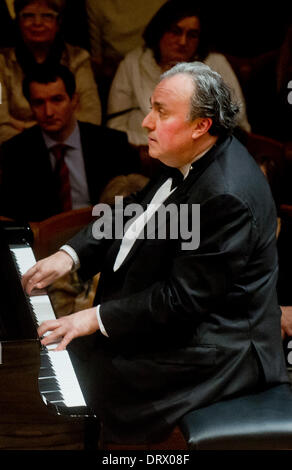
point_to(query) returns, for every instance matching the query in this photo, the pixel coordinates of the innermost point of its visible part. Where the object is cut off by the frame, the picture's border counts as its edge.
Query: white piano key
(66, 378)
(25, 257)
(43, 308)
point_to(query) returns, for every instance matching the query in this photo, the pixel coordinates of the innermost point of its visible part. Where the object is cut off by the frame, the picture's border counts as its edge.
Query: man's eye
(57, 99)
(37, 103)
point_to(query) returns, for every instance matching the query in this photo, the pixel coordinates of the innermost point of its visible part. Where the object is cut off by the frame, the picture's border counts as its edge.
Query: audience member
(32, 187)
(115, 28)
(176, 33)
(40, 40)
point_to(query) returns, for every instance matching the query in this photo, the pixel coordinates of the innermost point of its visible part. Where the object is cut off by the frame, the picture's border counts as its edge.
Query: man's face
(52, 106)
(169, 130)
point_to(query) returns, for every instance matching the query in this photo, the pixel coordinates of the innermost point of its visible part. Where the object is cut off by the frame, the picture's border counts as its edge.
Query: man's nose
(49, 111)
(148, 121)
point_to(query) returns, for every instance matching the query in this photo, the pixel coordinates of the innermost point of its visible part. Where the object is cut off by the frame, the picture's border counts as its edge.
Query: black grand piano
(41, 403)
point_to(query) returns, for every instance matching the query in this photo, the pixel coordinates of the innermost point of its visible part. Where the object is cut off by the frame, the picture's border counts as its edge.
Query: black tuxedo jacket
(188, 327)
(27, 190)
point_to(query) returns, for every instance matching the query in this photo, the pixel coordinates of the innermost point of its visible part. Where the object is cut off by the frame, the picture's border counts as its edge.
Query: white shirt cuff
(102, 329)
(73, 254)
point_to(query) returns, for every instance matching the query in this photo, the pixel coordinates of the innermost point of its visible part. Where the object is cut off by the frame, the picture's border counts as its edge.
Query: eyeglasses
(45, 17)
(191, 33)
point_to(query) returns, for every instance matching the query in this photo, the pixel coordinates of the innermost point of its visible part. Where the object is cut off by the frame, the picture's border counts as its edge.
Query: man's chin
(50, 128)
(151, 153)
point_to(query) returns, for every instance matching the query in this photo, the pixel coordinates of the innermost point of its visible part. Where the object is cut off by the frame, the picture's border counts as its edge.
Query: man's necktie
(61, 174)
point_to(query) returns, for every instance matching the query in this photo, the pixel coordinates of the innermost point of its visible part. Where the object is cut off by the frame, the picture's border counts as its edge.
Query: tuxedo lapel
(181, 194)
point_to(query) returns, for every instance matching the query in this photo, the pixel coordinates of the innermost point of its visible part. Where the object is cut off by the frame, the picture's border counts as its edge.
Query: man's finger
(64, 342)
(30, 279)
(49, 325)
(37, 283)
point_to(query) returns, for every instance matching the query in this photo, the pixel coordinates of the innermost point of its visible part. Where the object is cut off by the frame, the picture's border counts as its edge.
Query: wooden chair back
(52, 233)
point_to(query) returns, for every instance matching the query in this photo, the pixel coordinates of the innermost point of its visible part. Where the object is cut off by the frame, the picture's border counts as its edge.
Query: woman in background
(175, 34)
(40, 41)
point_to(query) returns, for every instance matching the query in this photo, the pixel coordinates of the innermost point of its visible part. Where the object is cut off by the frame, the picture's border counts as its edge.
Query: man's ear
(201, 126)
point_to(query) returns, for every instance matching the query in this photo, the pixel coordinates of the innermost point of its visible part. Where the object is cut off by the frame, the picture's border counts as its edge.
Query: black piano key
(45, 360)
(53, 396)
(61, 406)
(48, 384)
(46, 372)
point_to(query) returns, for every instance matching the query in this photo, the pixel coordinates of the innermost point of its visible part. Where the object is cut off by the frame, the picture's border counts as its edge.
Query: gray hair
(212, 98)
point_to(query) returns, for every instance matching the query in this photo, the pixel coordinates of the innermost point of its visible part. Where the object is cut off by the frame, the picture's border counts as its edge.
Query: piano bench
(258, 421)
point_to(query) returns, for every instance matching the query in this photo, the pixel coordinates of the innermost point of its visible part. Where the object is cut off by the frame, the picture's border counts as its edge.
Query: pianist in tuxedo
(177, 328)
(36, 182)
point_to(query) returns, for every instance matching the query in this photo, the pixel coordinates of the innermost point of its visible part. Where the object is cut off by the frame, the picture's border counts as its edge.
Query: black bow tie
(177, 177)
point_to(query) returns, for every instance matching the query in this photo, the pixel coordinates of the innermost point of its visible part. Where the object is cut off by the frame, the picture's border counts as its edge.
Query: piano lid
(17, 232)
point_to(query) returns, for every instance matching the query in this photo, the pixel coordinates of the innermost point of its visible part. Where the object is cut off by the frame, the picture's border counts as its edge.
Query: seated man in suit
(180, 322)
(59, 164)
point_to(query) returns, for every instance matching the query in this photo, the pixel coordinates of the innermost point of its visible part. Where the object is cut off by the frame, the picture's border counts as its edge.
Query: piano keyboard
(58, 383)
